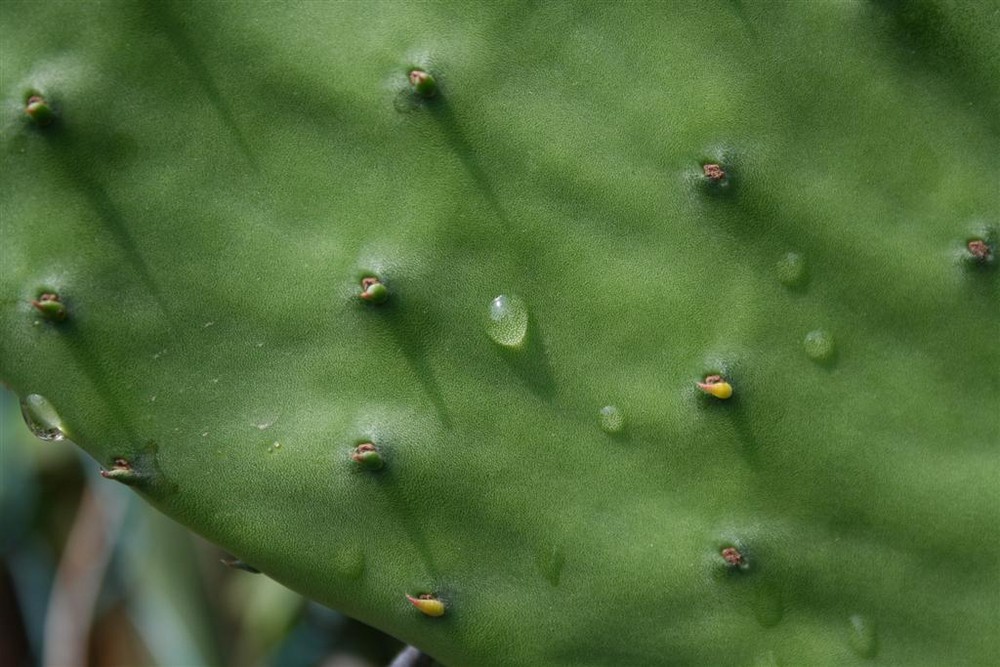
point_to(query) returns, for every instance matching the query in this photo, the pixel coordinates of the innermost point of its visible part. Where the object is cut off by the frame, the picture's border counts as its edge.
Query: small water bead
(766, 659)
(508, 320)
(863, 639)
(551, 559)
(611, 419)
(819, 345)
(348, 562)
(791, 270)
(41, 418)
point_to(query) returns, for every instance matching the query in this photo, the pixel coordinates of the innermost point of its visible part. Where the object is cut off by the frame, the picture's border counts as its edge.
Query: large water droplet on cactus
(41, 418)
(611, 419)
(819, 345)
(863, 640)
(508, 320)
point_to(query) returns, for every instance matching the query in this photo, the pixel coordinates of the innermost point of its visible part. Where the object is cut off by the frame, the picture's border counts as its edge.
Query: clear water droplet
(551, 558)
(819, 345)
(273, 447)
(791, 269)
(349, 562)
(41, 418)
(611, 419)
(766, 659)
(508, 320)
(863, 639)
(768, 607)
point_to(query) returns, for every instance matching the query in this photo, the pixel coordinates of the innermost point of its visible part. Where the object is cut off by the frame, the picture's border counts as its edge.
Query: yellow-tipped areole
(428, 605)
(715, 385)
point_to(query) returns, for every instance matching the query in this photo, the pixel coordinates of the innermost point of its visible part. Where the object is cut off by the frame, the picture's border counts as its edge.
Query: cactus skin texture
(216, 179)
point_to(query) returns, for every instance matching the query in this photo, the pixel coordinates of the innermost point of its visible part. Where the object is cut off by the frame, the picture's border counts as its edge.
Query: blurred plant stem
(78, 581)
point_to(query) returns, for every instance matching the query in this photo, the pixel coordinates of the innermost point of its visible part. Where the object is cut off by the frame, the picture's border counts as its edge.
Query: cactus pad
(532, 333)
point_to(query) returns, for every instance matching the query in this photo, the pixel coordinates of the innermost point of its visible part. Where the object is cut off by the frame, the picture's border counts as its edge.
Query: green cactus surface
(398, 299)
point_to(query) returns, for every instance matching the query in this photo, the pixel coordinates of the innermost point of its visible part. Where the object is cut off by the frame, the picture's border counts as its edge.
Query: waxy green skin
(219, 177)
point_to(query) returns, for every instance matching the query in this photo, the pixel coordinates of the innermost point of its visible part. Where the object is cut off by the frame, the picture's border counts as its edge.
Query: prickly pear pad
(786, 197)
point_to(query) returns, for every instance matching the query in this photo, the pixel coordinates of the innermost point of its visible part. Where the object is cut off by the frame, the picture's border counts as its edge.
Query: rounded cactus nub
(123, 472)
(367, 456)
(979, 250)
(423, 83)
(716, 385)
(50, 307)
(734, 558)
(714, 172)
(373, 290)
(428, 604)
(39, 111)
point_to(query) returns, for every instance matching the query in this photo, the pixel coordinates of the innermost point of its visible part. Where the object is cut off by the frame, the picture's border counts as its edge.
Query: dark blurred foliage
(91, 575)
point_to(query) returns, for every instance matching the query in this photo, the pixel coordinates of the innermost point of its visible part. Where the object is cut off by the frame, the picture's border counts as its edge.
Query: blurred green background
(91, 575)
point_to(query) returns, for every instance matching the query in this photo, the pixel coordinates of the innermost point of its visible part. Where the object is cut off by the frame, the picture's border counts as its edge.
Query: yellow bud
(427, 604)
(715, 385)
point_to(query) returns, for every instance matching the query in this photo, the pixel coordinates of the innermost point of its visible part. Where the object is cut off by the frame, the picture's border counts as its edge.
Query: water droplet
(791, 270)
(349, 562)
(41, 418)
(819, 345)
(611, 419)
(508, 320)
(550, 559)
(863, 640)
(766, 659)
(767, 606)
(274, 446)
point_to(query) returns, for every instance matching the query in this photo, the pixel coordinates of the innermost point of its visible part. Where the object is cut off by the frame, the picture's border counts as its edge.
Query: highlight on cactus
(598, 349)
